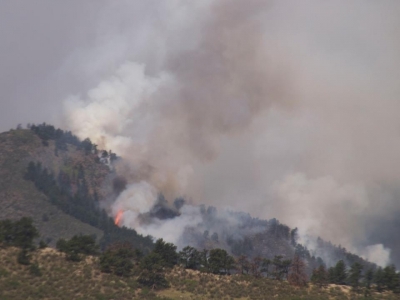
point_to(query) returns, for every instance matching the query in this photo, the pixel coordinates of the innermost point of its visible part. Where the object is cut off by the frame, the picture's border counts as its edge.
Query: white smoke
(112, 108)
(377, 254)
(316, 205)
(171, 230)
(282, 109)
(138, 198)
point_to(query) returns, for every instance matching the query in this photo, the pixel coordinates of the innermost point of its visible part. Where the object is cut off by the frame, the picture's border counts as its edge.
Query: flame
(118, 217)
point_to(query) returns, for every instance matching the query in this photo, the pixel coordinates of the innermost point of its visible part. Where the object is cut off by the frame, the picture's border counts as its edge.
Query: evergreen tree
(35, 270)
(152, 271)
(286, 264)
(42, 244)
(340, 274)
(281, 267)
(277, 263)
(355, 276)
(78, 246)
(119, 259)
(320, 276)
(220, 261)
(167, 252)
(20, 233)
(379, 280)
(331, 275)
(6, 232)
(369, 276)
(265, 266)
(204, 256)
(23, 257)
(391, 278)
(190, 258)
(25, 233)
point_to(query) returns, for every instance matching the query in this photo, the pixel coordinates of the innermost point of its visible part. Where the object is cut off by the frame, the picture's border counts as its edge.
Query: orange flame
(118, 217)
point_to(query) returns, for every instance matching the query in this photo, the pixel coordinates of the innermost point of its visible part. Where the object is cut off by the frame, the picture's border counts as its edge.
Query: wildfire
(118, 217)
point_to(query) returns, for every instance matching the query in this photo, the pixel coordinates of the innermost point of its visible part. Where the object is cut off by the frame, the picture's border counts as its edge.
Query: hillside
(62, 198)
(59, 181)
(242, 235)
(19, 197)
(55, 278)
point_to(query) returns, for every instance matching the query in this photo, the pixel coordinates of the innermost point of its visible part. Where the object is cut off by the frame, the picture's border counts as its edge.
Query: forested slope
(19, 197)
(57, 180)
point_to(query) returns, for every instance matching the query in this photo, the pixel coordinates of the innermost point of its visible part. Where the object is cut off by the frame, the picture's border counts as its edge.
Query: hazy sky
(285, 109)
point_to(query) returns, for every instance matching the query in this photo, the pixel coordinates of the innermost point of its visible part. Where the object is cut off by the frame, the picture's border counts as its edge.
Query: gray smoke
(279, 109)
(283, 109)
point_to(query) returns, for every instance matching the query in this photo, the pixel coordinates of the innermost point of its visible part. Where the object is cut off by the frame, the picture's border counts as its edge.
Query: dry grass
(61, 279)
(187, 284)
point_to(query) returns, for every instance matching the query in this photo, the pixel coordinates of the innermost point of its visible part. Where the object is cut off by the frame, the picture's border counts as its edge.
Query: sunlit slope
(19, 197)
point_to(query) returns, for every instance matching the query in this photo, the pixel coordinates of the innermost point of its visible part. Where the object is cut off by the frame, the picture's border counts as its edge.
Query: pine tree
(119, 259)
(204, 256)
(281, 267)
(391, 278)
(167, 252)
(78, 246)
(369, 276)
(340, 274)
(190, 258)
(331, 275)
(320, 276)
(152, 271)
(379, 280)
(355, 276)
(265, 266)
(23, 257)
(220, 261)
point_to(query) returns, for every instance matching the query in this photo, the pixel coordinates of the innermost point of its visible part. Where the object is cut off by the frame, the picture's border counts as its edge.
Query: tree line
(20, 234)
(123, 259)
(381, 279)
(48, 132)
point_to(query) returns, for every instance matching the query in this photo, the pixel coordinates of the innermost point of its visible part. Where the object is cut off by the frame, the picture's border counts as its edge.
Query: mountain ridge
(61, 157)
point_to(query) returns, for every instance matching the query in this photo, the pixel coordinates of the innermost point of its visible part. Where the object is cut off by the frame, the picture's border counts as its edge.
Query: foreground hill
(52, 277)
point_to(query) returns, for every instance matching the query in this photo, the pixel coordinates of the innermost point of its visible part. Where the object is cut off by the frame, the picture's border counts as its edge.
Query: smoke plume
(277, 108)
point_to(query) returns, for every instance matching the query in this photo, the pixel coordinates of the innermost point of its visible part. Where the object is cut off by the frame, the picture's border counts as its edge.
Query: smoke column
(278, 108)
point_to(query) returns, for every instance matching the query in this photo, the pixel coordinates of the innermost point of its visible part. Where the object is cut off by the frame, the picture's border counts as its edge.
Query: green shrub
(23, 257)
(35, 270)
(4, 273)
(42, 244)
(78, 246)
